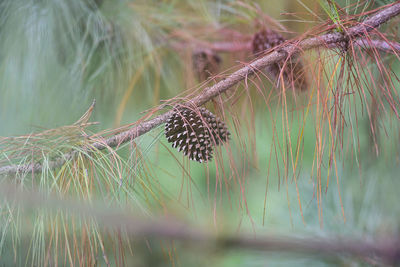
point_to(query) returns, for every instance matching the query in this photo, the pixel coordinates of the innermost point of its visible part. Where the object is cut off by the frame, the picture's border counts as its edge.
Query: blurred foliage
(57, 56)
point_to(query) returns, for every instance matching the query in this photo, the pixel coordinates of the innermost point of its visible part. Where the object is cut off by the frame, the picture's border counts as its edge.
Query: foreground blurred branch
(380, 251)
(143, 126)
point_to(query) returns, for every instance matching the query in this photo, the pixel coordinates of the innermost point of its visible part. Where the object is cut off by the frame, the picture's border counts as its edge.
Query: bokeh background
(57, 56)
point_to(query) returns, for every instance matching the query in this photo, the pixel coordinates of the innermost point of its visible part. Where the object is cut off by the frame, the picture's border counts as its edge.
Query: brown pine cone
(265, 40)
(205, 64)
(293, 70)
(195, 132)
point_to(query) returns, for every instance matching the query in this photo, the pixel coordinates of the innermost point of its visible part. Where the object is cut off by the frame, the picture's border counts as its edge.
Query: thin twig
(326, 40)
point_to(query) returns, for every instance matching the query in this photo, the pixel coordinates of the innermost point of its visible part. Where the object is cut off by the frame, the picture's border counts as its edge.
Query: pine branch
(385, 46)
(326, 40)
(382, 45)
(380, 251)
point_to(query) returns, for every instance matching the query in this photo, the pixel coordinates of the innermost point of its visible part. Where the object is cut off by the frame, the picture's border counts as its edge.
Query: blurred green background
(57, 56)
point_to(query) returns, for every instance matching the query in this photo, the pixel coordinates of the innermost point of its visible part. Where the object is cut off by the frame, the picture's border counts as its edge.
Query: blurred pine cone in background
(293, 71)
(205, 64)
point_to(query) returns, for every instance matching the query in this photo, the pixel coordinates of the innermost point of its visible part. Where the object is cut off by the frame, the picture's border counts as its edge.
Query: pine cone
(217, 128)
(293, 73)
(205, 64)
(195, 132)
(265, 40)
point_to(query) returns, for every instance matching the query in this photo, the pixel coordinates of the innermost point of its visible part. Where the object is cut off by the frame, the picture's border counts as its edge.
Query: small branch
(326, 40)
(385, 250)
(385, 46)
(229, 47)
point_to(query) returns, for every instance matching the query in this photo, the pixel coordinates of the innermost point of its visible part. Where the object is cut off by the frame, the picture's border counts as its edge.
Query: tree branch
(383, 250)
(385, 46)
(326, 40)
